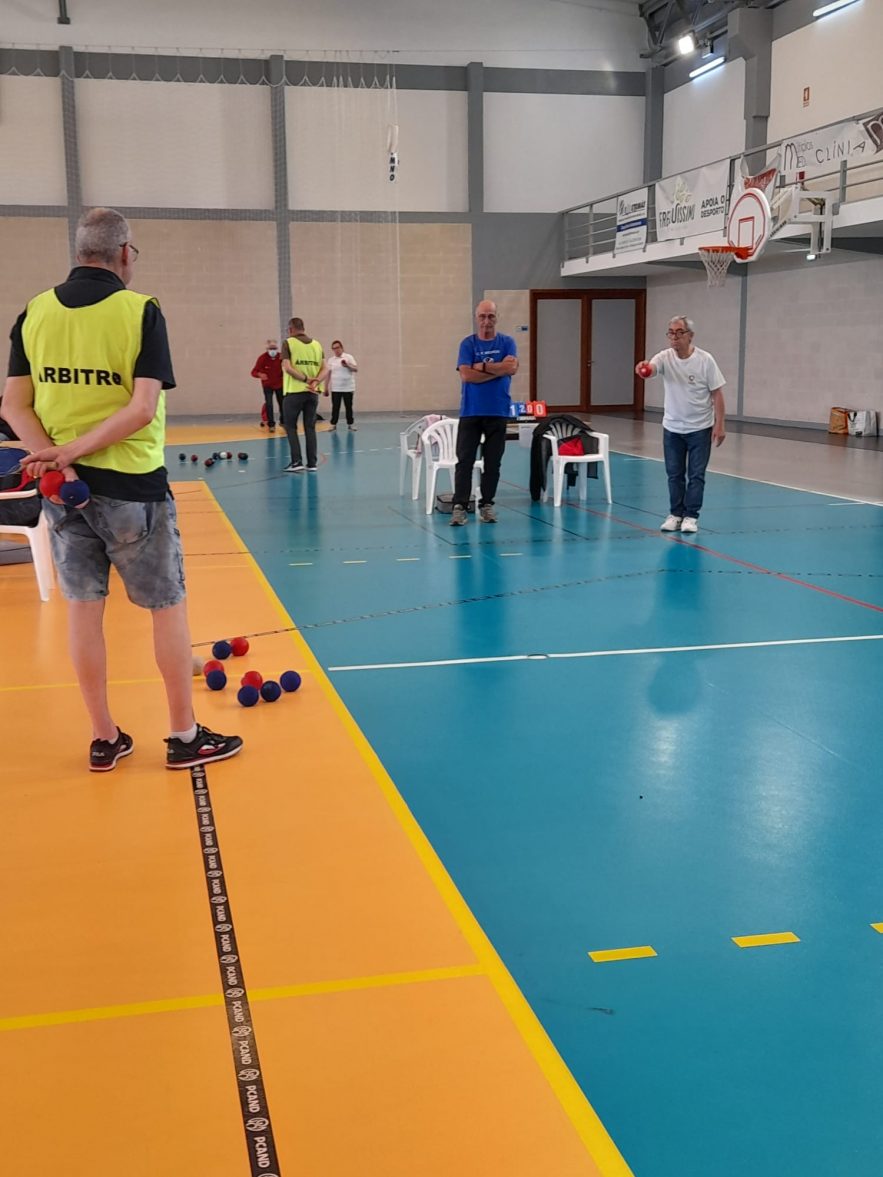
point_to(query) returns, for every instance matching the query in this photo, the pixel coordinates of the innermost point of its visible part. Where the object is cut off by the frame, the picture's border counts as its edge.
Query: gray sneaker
(459, 516)
(487, 513)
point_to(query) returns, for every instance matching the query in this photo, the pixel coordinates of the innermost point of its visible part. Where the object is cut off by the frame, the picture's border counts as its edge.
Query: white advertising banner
(631, 221)
(692, 203)
(822, 151)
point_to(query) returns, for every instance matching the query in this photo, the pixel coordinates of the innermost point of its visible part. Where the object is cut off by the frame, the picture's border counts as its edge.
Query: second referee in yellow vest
(304, 368)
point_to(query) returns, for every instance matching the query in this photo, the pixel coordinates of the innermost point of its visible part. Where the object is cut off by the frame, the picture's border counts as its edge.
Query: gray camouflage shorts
(140, 540)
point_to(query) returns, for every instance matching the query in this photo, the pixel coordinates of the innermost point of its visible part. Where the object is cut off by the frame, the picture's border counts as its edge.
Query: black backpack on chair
(541, 451)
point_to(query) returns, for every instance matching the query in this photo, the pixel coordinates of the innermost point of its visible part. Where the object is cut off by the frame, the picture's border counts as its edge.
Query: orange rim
(738, 251)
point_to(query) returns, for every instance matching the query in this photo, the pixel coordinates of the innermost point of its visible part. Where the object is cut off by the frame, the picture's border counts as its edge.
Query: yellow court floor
(392, 1041)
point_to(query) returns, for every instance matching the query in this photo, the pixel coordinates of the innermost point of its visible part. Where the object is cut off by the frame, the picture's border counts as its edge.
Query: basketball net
(717, 260)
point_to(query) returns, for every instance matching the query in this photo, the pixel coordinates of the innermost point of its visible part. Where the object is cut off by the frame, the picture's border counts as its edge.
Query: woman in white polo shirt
(341, 383)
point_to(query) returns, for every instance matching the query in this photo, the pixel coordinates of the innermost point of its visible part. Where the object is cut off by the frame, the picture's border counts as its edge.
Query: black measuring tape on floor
(249, 1079)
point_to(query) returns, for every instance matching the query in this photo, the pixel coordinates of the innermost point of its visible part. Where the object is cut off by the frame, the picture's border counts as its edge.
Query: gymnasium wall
(337, 149)
(704, 120)
(716, 315)
(838, 57)
(534, 34)
(31, 142)
(549, 151)
(809, 335)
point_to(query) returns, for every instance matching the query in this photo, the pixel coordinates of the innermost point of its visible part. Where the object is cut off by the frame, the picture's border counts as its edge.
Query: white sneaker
(671, 523)
(689, 524)
(354, 428)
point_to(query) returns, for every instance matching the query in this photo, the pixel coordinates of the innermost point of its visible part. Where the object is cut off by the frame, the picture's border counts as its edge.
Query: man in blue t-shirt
(487, 363)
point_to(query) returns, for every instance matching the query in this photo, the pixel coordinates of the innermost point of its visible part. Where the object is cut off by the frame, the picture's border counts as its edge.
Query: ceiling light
(703, 69)
(832, 7)
(686, 44)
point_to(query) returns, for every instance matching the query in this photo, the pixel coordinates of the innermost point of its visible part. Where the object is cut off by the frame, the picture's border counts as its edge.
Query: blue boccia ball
(270, 691)
(216, 680)
(74, 494)
(182, 457)
(248, 696)
(290, 680)
(222, 650)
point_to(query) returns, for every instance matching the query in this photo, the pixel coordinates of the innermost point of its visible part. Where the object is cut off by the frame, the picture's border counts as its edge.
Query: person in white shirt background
(693, 419)
(342, 370)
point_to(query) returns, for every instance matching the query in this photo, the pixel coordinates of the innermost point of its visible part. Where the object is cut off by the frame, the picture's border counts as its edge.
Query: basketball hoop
(718, 258)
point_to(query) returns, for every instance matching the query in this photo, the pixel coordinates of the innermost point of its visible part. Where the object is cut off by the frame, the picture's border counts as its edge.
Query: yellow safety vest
(82, 361)
(306, 357)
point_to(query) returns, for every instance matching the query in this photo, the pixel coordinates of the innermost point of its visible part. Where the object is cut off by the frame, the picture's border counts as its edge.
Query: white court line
(306, 564)
(407, 559)
(354, 561)
(868, 637)
(824, 494)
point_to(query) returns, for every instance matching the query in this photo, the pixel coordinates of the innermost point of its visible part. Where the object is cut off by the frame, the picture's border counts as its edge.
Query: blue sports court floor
(617, 739)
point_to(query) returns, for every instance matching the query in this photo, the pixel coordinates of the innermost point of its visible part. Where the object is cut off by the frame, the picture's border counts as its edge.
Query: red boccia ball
(252, 678)
(50, 483)
(239, 646)
(212, 664)
(645, 370)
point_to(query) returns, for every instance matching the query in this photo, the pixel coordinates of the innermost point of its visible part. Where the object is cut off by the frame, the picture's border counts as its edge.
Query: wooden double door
(585, 344)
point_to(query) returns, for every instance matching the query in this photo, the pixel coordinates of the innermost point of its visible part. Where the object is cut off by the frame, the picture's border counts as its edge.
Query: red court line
(672, 538)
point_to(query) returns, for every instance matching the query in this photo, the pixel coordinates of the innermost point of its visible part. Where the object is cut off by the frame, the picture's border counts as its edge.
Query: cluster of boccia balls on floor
(216, 456)
(253, 684)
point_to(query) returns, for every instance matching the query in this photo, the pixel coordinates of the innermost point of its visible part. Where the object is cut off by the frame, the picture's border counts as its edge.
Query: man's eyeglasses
(676, 334)
(133, 248)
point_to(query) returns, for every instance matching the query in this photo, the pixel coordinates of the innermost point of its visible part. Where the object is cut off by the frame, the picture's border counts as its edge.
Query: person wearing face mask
(268, 369)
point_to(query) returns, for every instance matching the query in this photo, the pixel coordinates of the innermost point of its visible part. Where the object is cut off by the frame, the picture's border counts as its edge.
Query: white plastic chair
(37, 537)
(557, 433)
(440, 453)
(411, 450)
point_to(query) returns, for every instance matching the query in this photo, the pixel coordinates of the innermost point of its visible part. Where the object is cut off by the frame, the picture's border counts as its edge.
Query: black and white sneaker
(204, 748)
(104, 754)
(293, 468)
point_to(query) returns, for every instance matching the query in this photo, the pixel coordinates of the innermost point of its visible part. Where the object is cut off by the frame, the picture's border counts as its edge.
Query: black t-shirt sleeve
(155, 360)
(19, 365)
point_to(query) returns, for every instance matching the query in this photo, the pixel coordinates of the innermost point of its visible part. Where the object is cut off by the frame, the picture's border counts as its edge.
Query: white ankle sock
(185, 737)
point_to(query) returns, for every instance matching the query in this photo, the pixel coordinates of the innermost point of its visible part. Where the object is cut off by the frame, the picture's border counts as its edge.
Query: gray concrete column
(475, 134)
(71, 146)
(654, 122)
(276, 66)
(750, 35)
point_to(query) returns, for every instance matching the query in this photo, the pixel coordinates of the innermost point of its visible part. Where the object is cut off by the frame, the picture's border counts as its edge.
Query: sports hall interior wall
(192, 166)
(792, 337)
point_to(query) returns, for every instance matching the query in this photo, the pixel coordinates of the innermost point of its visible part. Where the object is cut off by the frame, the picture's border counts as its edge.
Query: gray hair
(100, 234)
(688, 323)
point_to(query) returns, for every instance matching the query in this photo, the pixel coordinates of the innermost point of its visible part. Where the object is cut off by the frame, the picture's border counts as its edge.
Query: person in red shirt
(268, 369)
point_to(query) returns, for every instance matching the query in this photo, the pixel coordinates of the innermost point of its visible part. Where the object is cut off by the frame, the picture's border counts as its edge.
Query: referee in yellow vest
(304, 370)
(88, 369)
